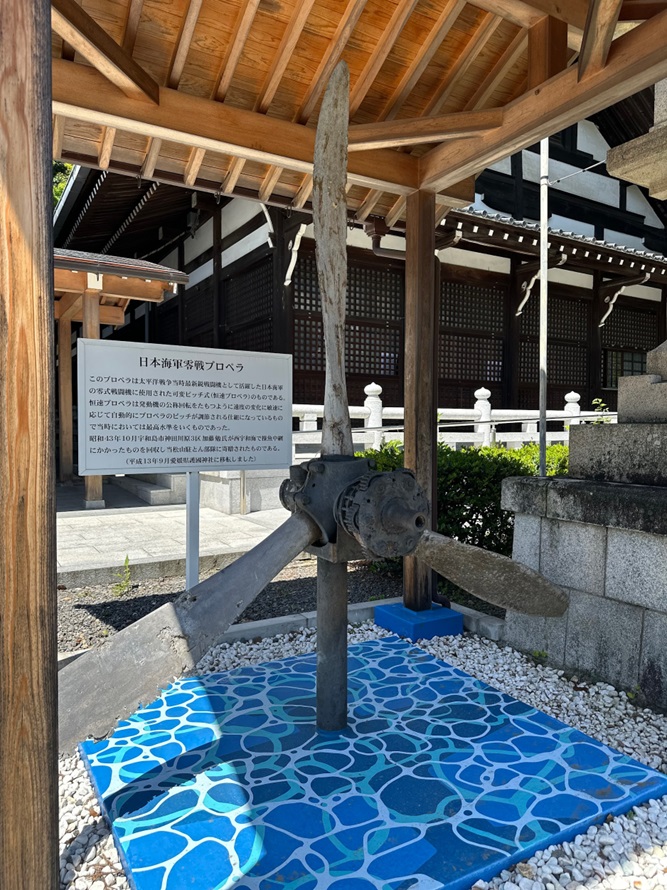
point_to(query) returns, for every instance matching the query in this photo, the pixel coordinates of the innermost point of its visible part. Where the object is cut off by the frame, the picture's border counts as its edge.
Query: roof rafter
(82, 32)
(80, 93)
(392, 134)
(598, 35)
(636, 60)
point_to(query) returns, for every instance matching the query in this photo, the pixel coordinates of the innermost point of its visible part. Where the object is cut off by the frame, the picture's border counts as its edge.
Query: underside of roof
(224, 96)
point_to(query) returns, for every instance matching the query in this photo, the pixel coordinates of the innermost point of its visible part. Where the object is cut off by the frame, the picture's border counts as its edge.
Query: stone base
(621, 452)
(606, 544)
(434, 622)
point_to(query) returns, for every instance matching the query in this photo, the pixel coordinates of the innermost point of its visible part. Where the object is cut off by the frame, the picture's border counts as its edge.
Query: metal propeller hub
(384, 513)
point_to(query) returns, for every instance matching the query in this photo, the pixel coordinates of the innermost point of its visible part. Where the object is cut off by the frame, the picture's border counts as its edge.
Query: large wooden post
(421, 339)
(94, 496)
(65, 415)
(28, 631)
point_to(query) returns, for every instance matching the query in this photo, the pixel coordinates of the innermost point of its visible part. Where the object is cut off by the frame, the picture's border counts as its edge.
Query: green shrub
(469, 487)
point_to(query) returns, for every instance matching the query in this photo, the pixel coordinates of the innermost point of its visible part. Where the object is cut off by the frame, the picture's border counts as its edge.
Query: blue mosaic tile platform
(439, 780)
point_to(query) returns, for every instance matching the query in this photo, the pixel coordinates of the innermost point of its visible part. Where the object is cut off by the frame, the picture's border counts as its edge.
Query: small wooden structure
(224, 96)
(95, 289)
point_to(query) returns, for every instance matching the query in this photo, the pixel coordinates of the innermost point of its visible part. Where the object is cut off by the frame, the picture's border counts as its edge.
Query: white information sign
(146, 408)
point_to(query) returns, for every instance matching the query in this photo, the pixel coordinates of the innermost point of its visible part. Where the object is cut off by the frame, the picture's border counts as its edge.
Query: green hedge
(469, 487)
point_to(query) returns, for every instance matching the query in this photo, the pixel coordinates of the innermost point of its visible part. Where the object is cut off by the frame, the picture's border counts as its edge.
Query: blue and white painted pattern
(438, 781)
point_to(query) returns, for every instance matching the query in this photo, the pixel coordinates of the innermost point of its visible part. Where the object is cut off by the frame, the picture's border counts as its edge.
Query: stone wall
(606, 544)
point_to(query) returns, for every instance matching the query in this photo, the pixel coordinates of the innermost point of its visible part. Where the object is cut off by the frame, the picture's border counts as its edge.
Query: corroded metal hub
(360, 512)
(386, 513)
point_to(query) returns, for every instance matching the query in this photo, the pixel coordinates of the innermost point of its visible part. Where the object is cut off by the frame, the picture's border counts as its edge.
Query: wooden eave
(224, 97)
(582, 253)
(115, 280)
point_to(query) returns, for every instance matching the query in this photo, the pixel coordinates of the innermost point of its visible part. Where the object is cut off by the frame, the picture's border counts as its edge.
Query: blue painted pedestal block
(434, 622)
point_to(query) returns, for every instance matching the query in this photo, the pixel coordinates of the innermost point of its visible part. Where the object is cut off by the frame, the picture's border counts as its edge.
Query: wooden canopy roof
(114, 280)
(223, 95)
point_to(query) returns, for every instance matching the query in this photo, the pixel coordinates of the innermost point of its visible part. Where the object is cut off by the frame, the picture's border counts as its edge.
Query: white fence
(482, 423)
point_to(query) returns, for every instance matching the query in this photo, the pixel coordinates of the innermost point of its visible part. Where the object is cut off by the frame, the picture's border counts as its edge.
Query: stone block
(656, 361)
(525, 494)
(642, 399)
(623, 452)
(526, 546)
(603, 639)
(530, 633)
(614, 504)
(572, 554)
(653, 662)
(636, 569)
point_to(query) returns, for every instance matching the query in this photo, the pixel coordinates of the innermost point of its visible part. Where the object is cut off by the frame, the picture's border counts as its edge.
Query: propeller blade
(491, 577)
(330, 229)
(106, 684)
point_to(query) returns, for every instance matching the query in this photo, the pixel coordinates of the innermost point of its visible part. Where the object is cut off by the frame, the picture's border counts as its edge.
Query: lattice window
(371, 350)
(249, 295)
(199, 306)
(635, 329)
(621, 363)
(471, 306)
(167, 324)
(479, 359)
(374, 292)
(566, 364)
(257, 337)
(567, 319)
(308, 344)
(305, 292)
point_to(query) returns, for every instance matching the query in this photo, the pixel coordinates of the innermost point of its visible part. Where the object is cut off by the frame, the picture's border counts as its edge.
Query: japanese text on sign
(150, 408)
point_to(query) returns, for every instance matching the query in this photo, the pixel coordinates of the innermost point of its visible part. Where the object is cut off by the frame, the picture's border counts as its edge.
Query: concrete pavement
(92, 544)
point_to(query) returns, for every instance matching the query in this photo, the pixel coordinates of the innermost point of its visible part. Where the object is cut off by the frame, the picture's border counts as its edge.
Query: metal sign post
(191, 530)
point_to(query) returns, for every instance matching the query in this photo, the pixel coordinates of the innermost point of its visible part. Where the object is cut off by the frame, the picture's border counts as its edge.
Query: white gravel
(626, 853)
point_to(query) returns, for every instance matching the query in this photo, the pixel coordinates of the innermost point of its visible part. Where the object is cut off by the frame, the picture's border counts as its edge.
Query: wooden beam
(58, 133)
(283, 54)
(329, 60)
(69, 282)
(74, 25)
(484, 92)
(193, 166)
(425, 53)
(132, 25)
(28, 626)
(381, 50)
(269, 183)
(547, 51)
(152, 155)
(114, 315)
(93, 489)
(65, 413)
(598, 35)
(636, 60)
(392, 134)
(82, 94)
(183, 43)
(241, 30)
(106, 147)
(232, 175)
(640, 10)
(421, 337)
(527, 14)
(68, 306)
(476, 43)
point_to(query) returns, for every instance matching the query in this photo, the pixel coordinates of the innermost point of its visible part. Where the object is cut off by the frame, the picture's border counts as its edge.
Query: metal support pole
(544, 272)
(191, 530)
(331, 645)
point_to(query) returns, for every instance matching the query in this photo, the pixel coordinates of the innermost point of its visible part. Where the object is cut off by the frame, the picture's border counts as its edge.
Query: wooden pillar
(94, 496)
(65, 415)
(421, 338)
(28, 630)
